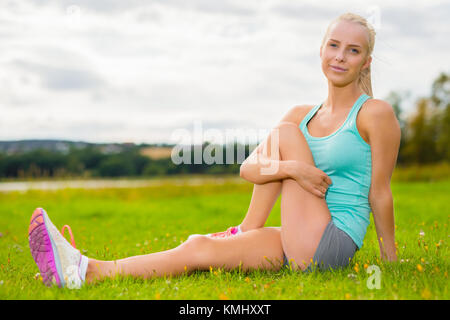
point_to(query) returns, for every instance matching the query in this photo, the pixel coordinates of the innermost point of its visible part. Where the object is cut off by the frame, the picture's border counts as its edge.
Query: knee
(198, 242)
(292, 143)
(199, 249)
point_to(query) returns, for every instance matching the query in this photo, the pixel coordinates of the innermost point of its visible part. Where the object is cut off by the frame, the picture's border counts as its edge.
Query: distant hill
(63, 146)
(30, 145)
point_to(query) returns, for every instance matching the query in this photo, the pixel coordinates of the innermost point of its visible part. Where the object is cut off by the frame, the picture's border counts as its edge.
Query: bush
(415, 172)
(116, 166)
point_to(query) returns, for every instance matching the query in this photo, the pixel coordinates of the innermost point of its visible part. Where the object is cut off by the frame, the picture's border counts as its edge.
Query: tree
(395, 99)
(421, 145)
(440, 97)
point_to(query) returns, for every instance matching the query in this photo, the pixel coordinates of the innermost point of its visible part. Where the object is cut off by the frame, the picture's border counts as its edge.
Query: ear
(367, 63)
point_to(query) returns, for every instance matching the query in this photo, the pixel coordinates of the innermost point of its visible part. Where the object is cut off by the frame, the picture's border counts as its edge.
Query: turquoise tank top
(346, 158)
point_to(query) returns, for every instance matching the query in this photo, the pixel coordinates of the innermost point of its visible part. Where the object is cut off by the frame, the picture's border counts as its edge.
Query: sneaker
(231, 231)
(59, 262)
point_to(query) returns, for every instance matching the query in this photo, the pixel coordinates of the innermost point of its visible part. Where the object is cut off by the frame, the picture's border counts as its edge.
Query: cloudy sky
(140, 71)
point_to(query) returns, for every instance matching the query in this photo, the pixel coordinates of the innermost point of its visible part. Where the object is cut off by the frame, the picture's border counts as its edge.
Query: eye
(356, 51)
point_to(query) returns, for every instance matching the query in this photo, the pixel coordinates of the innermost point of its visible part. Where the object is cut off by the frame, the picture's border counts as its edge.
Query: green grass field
(116, 223)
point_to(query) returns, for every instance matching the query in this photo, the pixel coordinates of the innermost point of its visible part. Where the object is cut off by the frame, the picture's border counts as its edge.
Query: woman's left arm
(384, 138)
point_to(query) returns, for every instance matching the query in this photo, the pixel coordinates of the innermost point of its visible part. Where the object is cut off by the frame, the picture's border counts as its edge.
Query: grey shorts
(335, 250)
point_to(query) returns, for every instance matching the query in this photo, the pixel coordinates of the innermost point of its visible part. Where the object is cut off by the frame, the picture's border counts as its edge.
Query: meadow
(112, 223)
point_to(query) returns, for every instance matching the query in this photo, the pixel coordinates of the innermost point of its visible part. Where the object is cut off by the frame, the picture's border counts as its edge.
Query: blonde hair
(364, 80)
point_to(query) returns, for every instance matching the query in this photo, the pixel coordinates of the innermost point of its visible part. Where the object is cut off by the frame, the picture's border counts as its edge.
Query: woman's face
(345, 48)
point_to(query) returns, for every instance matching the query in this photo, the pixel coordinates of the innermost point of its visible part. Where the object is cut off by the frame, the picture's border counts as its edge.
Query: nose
(339, 56)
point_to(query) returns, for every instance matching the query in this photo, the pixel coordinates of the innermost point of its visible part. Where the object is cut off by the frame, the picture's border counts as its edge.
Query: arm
(264, 165)
(384, 136)
(260, 169)
(383, 216)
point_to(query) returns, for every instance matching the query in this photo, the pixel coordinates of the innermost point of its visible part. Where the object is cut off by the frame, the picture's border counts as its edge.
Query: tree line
(91, 161)
(425, 140)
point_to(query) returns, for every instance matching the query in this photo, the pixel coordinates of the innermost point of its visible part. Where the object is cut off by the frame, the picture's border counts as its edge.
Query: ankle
(90, 272)
(243, 227)
(93, 271)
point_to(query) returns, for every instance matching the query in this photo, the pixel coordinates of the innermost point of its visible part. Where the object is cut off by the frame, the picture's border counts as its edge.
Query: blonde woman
(332, 164)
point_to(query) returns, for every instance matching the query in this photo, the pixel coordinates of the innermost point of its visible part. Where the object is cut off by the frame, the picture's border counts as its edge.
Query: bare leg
(304, 216)
(254, 249)
(264, 196)
(308, 213)
(263, 199)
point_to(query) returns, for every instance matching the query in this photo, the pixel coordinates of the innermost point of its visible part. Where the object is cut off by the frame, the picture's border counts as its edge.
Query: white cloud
(137, 70)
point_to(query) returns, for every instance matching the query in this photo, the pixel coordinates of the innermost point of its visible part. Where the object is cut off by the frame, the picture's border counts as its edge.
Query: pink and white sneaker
(231, 231)
(59, 262)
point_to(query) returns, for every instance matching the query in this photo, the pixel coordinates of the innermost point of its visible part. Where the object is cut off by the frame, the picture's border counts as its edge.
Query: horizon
(99, 143)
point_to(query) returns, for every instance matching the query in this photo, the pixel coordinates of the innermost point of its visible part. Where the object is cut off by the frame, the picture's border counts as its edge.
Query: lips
(338, 68)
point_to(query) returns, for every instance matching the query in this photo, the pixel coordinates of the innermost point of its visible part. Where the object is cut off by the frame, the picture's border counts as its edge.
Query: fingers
(326, 182)
(324, 186)
(319, 191)
(320, 194)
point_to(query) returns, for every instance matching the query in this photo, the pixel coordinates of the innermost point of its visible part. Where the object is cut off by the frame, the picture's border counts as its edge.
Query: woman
(352, 139)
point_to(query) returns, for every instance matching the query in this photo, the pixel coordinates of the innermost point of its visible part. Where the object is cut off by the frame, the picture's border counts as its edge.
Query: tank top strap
(308, 117)
(354, 112)
(351, 119)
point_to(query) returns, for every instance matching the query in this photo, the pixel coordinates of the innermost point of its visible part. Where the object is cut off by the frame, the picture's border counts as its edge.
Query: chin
(339, 82)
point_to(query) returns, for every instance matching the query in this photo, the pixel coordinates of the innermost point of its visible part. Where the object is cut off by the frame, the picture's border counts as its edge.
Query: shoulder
(376, 114)
(377, 118)
(378, 107)
(297, 113)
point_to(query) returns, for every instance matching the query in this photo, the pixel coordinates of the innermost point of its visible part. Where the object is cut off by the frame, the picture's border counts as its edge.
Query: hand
(311, 178)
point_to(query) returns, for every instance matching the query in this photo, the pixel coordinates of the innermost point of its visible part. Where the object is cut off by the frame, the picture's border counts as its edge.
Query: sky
(156, 70)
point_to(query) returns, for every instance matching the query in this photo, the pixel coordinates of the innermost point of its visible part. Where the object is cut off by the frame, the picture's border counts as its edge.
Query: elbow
(380, 195)
(244, 174)
(242, 171)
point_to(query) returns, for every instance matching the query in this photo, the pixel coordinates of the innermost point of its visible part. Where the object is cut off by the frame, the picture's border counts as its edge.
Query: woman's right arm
(264, 164)
(258, 168)
(261, 167)
(307, 176)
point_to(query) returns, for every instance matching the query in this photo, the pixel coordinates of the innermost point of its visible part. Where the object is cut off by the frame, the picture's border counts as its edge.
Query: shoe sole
(43, 249)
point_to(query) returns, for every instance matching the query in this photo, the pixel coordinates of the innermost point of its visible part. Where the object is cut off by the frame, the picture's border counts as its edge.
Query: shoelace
(229, 232)
(72, 240)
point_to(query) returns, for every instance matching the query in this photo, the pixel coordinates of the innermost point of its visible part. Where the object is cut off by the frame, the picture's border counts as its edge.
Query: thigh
(304, 216)
(254, 249)
(303, 222)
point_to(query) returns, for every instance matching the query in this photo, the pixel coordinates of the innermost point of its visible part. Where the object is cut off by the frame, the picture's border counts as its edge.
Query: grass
(116, 223)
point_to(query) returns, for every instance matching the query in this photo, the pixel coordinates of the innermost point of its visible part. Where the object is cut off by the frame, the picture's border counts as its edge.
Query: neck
(341, 98)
